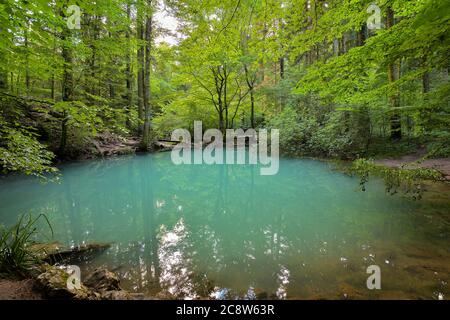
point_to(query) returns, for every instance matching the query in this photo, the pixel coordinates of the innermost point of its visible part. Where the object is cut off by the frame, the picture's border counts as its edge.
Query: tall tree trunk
(361, 37)
(92, 83)
(394, 97)
(67, 88)
(52, 80)
(146, 87)
(129, 80)
(140, 76)
(425, 114)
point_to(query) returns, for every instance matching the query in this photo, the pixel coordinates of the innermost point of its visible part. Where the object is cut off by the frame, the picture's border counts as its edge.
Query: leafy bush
(337, 138)
(181, 113)
(295, 132)
(440, 146)
(20, 151)
(305, 133)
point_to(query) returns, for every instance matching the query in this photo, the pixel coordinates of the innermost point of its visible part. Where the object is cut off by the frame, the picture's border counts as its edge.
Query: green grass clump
(16, 257)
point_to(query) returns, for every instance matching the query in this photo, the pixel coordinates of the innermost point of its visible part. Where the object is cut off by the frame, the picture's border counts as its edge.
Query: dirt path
(18, 290)
(410, 161)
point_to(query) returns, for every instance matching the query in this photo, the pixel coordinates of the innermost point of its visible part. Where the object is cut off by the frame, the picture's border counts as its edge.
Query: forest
(313, 69)
(92, 91)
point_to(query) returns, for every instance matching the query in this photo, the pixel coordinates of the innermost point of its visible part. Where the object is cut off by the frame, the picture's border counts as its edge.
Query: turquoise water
(224, 231)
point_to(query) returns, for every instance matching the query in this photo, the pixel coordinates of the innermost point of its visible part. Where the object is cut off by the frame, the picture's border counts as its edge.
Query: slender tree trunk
(251, 85)
(3, 80)
(225, 99)
(4, 77)
(112, 91)
(426, 82)
(221, 121)
(18, 79)
(27, 62)
(252, 108)
(394, 97)
(52, 85)
(361, 37)
(336, 47)
(282, 68)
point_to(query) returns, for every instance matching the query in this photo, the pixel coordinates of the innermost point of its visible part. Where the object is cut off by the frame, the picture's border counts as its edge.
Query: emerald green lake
(225, 231)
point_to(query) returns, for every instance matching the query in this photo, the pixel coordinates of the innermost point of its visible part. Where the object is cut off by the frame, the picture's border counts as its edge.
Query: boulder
(103, 280)
(53, 284)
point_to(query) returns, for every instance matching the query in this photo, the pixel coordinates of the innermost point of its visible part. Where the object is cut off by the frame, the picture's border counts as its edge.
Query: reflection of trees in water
(70, 207)
(229, 245)
(191, 230)
(228, 238)
(176, 276)
(149, 265)
(138, 259)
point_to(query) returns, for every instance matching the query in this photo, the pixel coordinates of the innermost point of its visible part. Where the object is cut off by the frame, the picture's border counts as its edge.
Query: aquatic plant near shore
(409, 181)
(16, 257)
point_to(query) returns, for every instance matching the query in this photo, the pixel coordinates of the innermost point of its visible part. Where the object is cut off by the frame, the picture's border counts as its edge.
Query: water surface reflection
(226, 232)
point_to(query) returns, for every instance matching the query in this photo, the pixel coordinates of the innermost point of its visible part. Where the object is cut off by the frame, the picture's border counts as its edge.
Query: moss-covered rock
(103, 280)
(53, 283)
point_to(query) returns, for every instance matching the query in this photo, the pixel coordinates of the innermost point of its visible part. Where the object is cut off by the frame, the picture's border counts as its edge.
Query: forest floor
(18, 290)
(415, 161)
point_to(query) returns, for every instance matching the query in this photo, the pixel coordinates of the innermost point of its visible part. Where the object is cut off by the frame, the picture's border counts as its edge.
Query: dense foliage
(314, 69)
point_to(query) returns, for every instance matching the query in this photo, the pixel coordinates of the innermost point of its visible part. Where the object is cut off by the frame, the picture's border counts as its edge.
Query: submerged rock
(43, 250)
(121, 295)
(349, 292)
(106, 285)
(79, 253)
